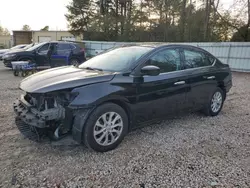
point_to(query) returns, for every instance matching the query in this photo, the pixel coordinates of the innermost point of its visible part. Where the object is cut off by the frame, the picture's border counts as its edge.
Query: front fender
(95, 94)
(80, 118)
(88, 99)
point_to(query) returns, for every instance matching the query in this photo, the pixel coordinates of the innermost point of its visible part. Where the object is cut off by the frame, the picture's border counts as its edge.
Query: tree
(4, 31)
(207, 18)
(79, 16)
(183, 20)
(238, 37)
(157, 20)
(26, 28)
(46, 28)
(238, 19)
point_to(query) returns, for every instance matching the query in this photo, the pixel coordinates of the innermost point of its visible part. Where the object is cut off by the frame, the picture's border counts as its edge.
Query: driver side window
(167, 60)
(44, 48)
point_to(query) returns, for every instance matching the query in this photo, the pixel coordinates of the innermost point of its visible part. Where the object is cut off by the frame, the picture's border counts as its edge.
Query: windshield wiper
(91, 68)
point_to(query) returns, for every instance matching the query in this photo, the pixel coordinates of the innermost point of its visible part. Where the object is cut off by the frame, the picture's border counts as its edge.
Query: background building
(5, 41)
(26, 37)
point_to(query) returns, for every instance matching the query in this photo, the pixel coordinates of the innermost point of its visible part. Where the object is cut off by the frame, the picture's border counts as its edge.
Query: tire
(214, 108)
(33, 71)
(16, 73)
(74, 62)
(93, 131)
(24, 73)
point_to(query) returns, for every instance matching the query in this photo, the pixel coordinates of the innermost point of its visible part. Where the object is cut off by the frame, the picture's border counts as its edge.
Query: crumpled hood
(62, 78)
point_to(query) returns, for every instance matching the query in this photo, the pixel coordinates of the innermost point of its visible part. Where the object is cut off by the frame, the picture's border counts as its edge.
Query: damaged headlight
(51, 100)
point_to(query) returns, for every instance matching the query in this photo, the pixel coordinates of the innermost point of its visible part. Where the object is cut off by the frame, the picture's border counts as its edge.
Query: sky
(39, 13)
(35, 13)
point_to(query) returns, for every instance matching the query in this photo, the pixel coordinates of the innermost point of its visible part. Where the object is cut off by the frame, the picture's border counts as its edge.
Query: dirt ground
(188, 151)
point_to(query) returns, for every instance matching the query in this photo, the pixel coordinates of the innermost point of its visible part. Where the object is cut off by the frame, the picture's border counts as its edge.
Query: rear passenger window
(211, 59)
(63, 47)
(194, 59)
(72, 46)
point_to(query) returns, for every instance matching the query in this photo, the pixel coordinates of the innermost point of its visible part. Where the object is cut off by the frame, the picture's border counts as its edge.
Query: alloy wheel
(108, 128)
(216, 102)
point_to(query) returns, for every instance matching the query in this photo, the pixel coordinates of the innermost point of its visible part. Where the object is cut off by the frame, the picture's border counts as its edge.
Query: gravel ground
(190, 151)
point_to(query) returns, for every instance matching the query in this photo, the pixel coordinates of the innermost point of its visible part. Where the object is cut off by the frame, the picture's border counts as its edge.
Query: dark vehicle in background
(52, 54)
(15, 48)
(100, 101)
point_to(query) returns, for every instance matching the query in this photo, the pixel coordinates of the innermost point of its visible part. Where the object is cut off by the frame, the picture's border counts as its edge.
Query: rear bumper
(228, 85)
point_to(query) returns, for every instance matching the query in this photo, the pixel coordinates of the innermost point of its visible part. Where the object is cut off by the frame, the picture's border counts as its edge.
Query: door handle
(179, 83)
(210, 77)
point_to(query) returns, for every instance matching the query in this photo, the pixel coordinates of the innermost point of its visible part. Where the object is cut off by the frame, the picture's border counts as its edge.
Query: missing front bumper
(55, 123)
(33, 133)
(35, 125)
(31, 116)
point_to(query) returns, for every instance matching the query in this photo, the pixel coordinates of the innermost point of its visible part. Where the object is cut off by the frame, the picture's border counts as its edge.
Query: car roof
(66, 42)
(157, 45)
(163, 45)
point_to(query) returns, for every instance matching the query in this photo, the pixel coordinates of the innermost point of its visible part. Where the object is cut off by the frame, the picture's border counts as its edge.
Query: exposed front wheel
(215, 103)
(106, 128)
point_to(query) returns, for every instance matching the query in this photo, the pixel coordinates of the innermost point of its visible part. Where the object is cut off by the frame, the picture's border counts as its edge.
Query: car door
(42, 55)
(162, 95)
(202, 76)
(61, 54)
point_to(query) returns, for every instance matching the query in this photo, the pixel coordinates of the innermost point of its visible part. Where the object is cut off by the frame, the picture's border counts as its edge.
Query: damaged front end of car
(48, 114)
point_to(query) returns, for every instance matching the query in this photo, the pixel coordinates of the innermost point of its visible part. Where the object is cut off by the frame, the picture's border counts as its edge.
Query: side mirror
(150, 70)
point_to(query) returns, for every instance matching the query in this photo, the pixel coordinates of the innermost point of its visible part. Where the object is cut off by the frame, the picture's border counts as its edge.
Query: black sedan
(100, 101)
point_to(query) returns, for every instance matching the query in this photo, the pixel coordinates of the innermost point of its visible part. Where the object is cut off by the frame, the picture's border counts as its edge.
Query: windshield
(28, 46)
(116, 60)
(36, 46)
(18, 47)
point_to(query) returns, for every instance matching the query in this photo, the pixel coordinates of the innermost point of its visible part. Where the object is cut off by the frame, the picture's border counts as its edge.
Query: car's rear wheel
(24, 73)
(16, 73)
(74, 62)
(215, 103)
(105, 128)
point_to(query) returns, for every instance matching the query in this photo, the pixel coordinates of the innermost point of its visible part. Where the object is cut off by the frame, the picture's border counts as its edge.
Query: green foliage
(148, 20)
(46, 28)
(243, 35)
(4, 31)
(26, 28)
(81, 15)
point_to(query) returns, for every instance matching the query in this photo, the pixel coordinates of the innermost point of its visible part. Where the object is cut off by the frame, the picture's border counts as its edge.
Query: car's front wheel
(105, 128)
(215, 103)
